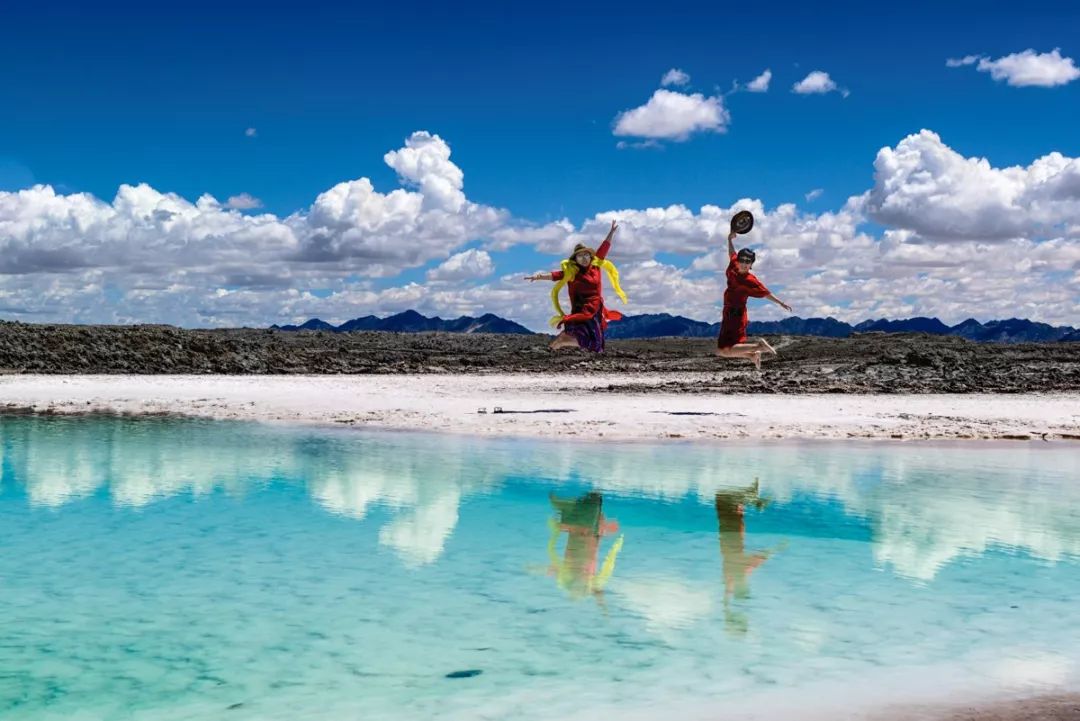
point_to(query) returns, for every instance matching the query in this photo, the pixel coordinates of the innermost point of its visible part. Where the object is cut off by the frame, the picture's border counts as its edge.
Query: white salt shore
(551, 405)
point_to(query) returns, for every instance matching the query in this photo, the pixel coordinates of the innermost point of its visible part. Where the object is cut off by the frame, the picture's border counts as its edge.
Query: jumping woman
(585, 325)
(742, 284)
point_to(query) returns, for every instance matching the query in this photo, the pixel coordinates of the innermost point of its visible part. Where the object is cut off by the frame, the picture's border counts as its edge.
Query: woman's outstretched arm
(602, 251)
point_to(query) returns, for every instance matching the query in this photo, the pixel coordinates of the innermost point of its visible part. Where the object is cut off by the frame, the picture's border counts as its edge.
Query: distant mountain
(660, 325)
(313, 324)
(911, 325)
(1007, 330)
(368, 322)
(970, 329)
(412, 322)
(827, 327)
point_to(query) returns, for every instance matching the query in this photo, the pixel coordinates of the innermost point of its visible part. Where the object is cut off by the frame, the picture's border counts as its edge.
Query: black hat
(742, 222)
(746, 255)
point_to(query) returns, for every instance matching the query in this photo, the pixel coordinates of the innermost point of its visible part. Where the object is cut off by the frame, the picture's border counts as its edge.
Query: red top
(741, 287)
(585, 294)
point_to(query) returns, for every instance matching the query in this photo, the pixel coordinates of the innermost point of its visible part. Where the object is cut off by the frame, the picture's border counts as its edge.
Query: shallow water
(167, 569)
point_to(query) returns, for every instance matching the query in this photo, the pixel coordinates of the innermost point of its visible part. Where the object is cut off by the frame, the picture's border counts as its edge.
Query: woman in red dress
(741, 285)
(585, 325)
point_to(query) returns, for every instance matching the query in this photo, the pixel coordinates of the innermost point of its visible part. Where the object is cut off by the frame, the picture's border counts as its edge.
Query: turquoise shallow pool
(164, 569)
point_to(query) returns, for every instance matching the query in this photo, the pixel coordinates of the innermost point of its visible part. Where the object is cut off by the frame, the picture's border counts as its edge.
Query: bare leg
(563, 340)
(750, 351)
(739, 350)
(765, 347)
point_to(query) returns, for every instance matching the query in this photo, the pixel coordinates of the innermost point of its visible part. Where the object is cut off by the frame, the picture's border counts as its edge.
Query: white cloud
(154, 256)
(468, 265)
(962, 238)
(673, 116)
(251, 132)
(424, 162)
(960, 62)
(760, 84)
(1026, 68)
(674, 77)
(350, 228)
(925, 186)
(551, 235)
(244, 201)
(814, 195)
(817, 83)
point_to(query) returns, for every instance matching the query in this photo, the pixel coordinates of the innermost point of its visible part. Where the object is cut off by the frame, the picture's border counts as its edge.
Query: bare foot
(756, 357)
(765, 344)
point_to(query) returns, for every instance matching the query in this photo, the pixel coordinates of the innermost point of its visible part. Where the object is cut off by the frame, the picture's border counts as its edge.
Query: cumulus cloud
(817, 83)
(244, 201)
(674, 77)
(425, 163)
(156, 256)
(925, 186)
(960, 238)
(670, 115)
(1024, 69)
(760, 84)
(468, 265)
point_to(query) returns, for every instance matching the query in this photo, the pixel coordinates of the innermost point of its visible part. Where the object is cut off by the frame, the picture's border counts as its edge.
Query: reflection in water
(584, 522)
(194, 604)
(996, 497)
(139, 462)
(737, 563)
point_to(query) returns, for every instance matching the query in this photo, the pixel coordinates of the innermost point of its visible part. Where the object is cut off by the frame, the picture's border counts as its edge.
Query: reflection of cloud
(351, 489)
(420, 534)
(921, 531)
(141, 462)
(424, 484)
(665, 603)
(925, 509)
(63, 470)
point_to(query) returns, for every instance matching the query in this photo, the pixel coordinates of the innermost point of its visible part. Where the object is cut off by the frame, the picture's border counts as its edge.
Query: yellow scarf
(570, 271)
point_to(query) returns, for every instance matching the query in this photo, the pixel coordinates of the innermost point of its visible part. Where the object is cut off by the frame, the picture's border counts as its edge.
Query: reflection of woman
(737, 563)
(584, 522)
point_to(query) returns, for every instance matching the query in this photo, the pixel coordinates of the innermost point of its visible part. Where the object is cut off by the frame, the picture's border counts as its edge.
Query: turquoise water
(165, 569)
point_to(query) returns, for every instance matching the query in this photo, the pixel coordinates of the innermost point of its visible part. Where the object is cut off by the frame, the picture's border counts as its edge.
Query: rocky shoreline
(864, 363)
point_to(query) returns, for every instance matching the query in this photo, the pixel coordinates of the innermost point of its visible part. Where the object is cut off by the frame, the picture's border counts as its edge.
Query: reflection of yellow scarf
(564, 575)
(570, 270)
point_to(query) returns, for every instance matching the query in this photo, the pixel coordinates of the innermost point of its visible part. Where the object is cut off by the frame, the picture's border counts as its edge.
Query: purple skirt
(589, 334)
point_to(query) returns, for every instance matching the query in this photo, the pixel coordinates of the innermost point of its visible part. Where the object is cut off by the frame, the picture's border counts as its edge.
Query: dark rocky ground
(867, 363)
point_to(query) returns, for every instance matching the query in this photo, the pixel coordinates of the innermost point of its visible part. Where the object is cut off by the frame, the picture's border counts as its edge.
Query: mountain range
(1013, 330)
(412, 322)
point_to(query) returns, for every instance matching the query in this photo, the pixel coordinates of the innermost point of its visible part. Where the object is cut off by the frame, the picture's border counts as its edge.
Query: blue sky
(527, 99)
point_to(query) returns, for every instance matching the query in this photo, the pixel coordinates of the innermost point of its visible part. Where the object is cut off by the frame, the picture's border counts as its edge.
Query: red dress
(739, 288)
(586, 299)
